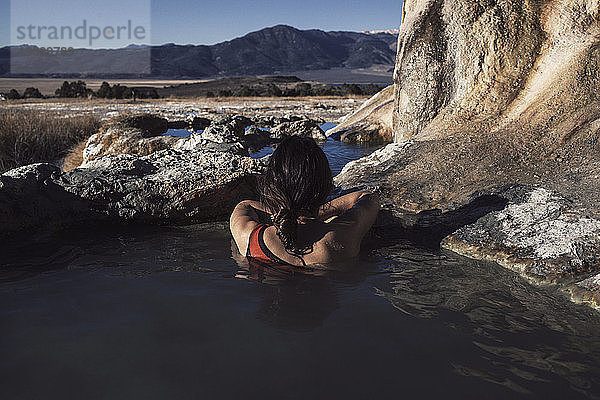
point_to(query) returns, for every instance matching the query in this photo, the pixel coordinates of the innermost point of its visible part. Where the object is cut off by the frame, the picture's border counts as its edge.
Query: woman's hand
(343, 203)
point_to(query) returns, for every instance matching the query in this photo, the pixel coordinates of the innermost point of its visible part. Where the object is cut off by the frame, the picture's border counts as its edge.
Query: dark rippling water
(166, 312)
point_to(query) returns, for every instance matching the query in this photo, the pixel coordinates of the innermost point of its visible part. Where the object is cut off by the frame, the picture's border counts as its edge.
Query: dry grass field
(28, 137)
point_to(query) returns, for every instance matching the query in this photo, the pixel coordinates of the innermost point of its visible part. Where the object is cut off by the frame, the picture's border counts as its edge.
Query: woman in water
(305, 229)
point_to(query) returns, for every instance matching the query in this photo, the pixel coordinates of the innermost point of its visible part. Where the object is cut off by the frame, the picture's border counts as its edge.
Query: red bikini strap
(253, 242)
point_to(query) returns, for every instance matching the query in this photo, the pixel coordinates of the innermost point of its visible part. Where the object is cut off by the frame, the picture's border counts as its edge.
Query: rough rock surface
(371, 123)
(228, 129)
(29, 196)
(492, 95)
(199, 123)
(499, 65)
(305, 128)
(173, 186)
(538, 234)
(587, 291)
(129, 134)
(256, 138)
(271, 121)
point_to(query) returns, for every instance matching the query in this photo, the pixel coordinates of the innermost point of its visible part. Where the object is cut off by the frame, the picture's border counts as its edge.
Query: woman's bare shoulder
(243, 220)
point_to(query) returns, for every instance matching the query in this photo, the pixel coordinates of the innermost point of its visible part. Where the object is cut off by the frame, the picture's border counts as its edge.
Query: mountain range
(273, 50)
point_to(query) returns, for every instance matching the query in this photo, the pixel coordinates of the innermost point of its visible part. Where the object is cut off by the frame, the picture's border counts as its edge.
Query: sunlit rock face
(466, 68)
(496, 65)
(496, 93)
(490, 95)
(139, 134)
(371, 123)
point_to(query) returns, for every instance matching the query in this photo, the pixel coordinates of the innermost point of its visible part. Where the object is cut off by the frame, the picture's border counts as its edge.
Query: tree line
(79, 89)
(299, 90)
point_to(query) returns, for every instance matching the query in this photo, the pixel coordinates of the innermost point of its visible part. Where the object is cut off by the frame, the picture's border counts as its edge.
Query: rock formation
(173, 186)
(129, 134)
(256, 138)
(228, 129)
(271, 121)
(490, 96)
(305, 127)
(371, 123)
(130, 172)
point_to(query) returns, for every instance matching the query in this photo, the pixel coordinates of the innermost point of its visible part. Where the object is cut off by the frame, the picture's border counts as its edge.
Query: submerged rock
(371, 123)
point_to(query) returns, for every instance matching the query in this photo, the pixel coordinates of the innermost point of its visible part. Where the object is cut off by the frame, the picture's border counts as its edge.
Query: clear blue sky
(210, 21)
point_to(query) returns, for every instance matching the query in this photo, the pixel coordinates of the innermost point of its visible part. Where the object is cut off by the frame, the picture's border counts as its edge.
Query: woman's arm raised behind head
(361, 209)
(340, 204)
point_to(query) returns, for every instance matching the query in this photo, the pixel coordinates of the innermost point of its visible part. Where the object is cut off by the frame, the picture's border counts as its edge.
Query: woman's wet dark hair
(297, 182)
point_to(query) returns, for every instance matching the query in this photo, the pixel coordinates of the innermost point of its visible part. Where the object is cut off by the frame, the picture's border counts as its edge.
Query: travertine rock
(492, 95)
(228, 129)
(305, 128)
(538, 234)
(587, 291)
(139, 134)
(371, 123)
(169, 186)
(468, 68)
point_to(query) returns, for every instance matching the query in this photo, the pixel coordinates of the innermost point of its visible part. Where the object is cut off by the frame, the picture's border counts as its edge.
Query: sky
(199, 22)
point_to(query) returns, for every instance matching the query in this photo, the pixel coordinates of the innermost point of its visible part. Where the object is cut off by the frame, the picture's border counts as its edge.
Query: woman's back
(332, 237)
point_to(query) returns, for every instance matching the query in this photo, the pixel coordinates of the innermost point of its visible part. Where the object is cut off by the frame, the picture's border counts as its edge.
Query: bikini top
(257, 249)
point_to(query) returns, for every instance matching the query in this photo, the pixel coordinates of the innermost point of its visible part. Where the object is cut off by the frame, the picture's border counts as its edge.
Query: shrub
(32, 93)
(245, 91)
(105, 92)
(122, 92)
(13, 95)
(304, 89)
(73, 89)
(273, 91)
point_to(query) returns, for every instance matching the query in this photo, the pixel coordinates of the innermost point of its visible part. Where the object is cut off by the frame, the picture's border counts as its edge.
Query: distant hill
(274, 50)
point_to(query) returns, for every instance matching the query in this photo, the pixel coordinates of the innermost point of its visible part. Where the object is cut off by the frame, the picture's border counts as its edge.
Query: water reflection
(298, 299)
(338, 153)
(407, 309)
(525, 338)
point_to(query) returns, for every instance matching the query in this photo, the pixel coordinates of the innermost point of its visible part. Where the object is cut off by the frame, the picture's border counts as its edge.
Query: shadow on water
(428, 228)
(298, 299)
(527, 339)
